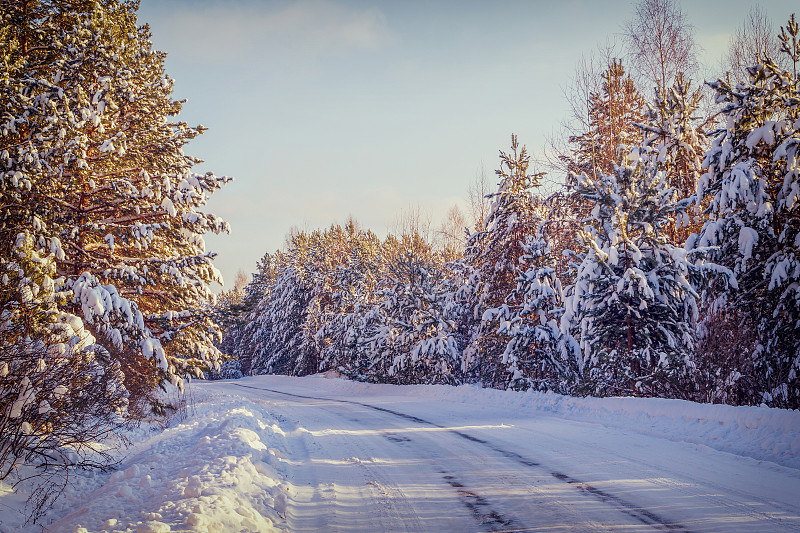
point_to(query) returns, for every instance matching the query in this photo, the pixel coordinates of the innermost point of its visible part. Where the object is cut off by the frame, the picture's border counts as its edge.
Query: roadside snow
(211, 472)
(224, 467)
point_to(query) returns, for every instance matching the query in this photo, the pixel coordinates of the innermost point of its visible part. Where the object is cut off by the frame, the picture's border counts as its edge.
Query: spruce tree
(277, 341)
(354, 288)
(632, 309)
(752, 182)
(320, 281)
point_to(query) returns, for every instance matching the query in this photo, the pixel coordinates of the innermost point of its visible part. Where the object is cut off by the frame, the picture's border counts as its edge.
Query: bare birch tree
(451, 235)
(586, 80)
(755, 39)
(660, 43)
(479, 204)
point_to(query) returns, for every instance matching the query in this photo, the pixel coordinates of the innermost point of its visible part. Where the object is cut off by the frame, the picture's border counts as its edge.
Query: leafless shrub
(451, 236)
(723, 359)
(586, 81)
(479, 204)
(60, 410)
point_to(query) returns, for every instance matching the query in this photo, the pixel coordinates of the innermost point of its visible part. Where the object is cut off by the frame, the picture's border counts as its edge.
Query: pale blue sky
(327, 108)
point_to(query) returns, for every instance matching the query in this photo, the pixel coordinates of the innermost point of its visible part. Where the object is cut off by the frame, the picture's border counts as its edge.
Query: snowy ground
(313, 454)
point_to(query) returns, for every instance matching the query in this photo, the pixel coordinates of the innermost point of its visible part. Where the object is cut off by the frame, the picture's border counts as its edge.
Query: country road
(400, 463)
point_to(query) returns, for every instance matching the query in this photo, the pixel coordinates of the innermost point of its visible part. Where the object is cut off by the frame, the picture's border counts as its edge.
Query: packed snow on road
(274, 453)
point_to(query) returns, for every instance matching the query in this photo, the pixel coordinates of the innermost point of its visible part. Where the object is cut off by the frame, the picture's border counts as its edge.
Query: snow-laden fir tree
(753, 181)
(343, 269)
(632, 309)
(492, 257)
(230, 309)
(93, 172)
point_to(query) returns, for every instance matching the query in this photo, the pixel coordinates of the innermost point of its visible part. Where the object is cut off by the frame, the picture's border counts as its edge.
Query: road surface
(400, 463)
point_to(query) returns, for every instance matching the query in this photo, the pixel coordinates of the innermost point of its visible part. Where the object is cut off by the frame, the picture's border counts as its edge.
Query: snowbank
(218, 470)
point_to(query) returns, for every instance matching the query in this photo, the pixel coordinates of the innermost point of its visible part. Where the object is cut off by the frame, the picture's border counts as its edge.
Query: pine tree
(537, 355)
(240, 336)
(277, 340)
(675, 141)
(753, 183)
(322, 278)
(94, 173)
(413, 332)
(354, 288)
(104, 277)
(613, 114)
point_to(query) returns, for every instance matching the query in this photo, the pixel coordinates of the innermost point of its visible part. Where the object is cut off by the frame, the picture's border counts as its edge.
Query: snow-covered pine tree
(321, 278)
(278, 325)
(674, 138)
(537, 355)
(613, 113)
(493, 258)
(276, 336)
(753, 183)
(631, 308)
(84, 120)
(94, 171)
(354, 287)
(230, 309)
(675, 141)
(241, 337)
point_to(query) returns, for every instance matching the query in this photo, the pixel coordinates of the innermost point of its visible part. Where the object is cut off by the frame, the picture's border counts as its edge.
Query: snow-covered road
(405, 463)
(273, 453)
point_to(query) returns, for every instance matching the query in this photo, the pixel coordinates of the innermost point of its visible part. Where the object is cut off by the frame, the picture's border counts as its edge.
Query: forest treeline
(665, 265)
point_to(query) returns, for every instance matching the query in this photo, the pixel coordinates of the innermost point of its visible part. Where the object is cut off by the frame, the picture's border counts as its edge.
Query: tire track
(479, 507)
(720, 501)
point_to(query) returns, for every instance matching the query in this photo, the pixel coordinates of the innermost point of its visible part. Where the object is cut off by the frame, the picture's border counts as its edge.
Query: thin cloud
(237, 33)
